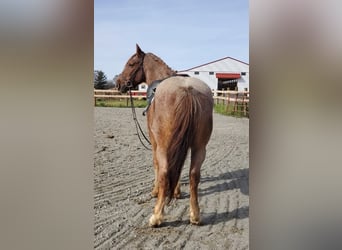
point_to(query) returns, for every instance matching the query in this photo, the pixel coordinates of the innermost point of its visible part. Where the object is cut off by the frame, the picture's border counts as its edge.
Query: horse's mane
(159, 60)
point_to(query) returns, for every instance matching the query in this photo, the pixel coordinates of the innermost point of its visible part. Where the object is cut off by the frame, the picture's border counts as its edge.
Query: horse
(179, 119)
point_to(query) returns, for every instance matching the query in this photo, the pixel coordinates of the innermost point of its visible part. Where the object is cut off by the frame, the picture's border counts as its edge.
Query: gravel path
(123, 177)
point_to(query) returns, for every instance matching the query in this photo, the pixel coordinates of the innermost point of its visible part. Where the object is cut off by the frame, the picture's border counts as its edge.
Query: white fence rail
(237, 101)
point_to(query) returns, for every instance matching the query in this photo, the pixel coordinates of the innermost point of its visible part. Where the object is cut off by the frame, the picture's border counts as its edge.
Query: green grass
(218, 108)
(120, 103)
(229, 110)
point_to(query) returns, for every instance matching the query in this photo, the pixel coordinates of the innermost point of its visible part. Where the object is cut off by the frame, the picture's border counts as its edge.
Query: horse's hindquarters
(178, 101)
(179, 118)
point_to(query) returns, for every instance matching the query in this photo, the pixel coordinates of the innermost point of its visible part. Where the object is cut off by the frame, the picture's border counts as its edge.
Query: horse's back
(173, 84)
(172, 91)
(181, 102)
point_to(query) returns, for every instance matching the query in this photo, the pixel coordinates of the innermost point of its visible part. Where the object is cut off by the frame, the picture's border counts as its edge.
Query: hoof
(195, 221)
(154, 221)
(154, 194)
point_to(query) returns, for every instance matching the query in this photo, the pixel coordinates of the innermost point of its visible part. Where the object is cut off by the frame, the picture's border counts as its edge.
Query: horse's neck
(157, 73)
(157, 70)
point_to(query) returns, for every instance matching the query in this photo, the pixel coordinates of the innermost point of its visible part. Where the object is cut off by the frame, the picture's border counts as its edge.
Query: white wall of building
(142, 87)
(207, 72)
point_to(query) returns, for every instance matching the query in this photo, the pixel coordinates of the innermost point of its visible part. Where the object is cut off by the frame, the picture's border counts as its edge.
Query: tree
(100, 79)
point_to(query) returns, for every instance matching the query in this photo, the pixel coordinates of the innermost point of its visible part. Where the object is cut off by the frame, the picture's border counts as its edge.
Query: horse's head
(133, 73)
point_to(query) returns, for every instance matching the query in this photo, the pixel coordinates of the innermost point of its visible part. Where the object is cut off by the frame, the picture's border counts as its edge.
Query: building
(142, 87)
(223, 74)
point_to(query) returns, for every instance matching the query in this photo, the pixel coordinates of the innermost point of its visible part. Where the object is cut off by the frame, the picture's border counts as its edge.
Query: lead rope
(137, 125)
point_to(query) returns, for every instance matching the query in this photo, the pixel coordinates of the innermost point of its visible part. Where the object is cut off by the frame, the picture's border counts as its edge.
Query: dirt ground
(123, 177)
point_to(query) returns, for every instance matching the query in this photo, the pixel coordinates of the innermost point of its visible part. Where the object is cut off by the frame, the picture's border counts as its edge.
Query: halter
(129, 83)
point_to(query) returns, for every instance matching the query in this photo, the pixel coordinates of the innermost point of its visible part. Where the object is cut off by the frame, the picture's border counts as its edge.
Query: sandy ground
(123, 176)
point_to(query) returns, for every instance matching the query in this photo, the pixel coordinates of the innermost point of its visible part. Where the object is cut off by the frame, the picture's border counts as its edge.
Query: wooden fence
(115, 94)
(237, 101)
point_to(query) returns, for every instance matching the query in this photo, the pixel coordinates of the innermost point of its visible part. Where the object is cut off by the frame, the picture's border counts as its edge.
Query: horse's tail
(182, 135)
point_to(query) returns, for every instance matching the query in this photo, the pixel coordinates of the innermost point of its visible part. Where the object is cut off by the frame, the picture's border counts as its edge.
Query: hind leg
(155, 186)
(155, 165)
(158, 213)
(197, 158)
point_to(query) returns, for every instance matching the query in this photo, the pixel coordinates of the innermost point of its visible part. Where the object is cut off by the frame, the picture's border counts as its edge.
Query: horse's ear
(139, 51)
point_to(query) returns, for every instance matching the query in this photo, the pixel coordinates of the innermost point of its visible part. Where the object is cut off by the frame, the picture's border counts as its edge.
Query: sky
(183, 33)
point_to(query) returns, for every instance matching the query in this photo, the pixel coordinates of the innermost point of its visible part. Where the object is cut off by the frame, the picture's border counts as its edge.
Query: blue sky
(183, 33)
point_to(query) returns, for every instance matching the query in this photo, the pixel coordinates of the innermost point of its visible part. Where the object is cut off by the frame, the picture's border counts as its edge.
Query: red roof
(228, 75)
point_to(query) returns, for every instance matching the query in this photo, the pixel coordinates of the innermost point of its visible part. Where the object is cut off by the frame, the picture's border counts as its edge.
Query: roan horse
(179, 119)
